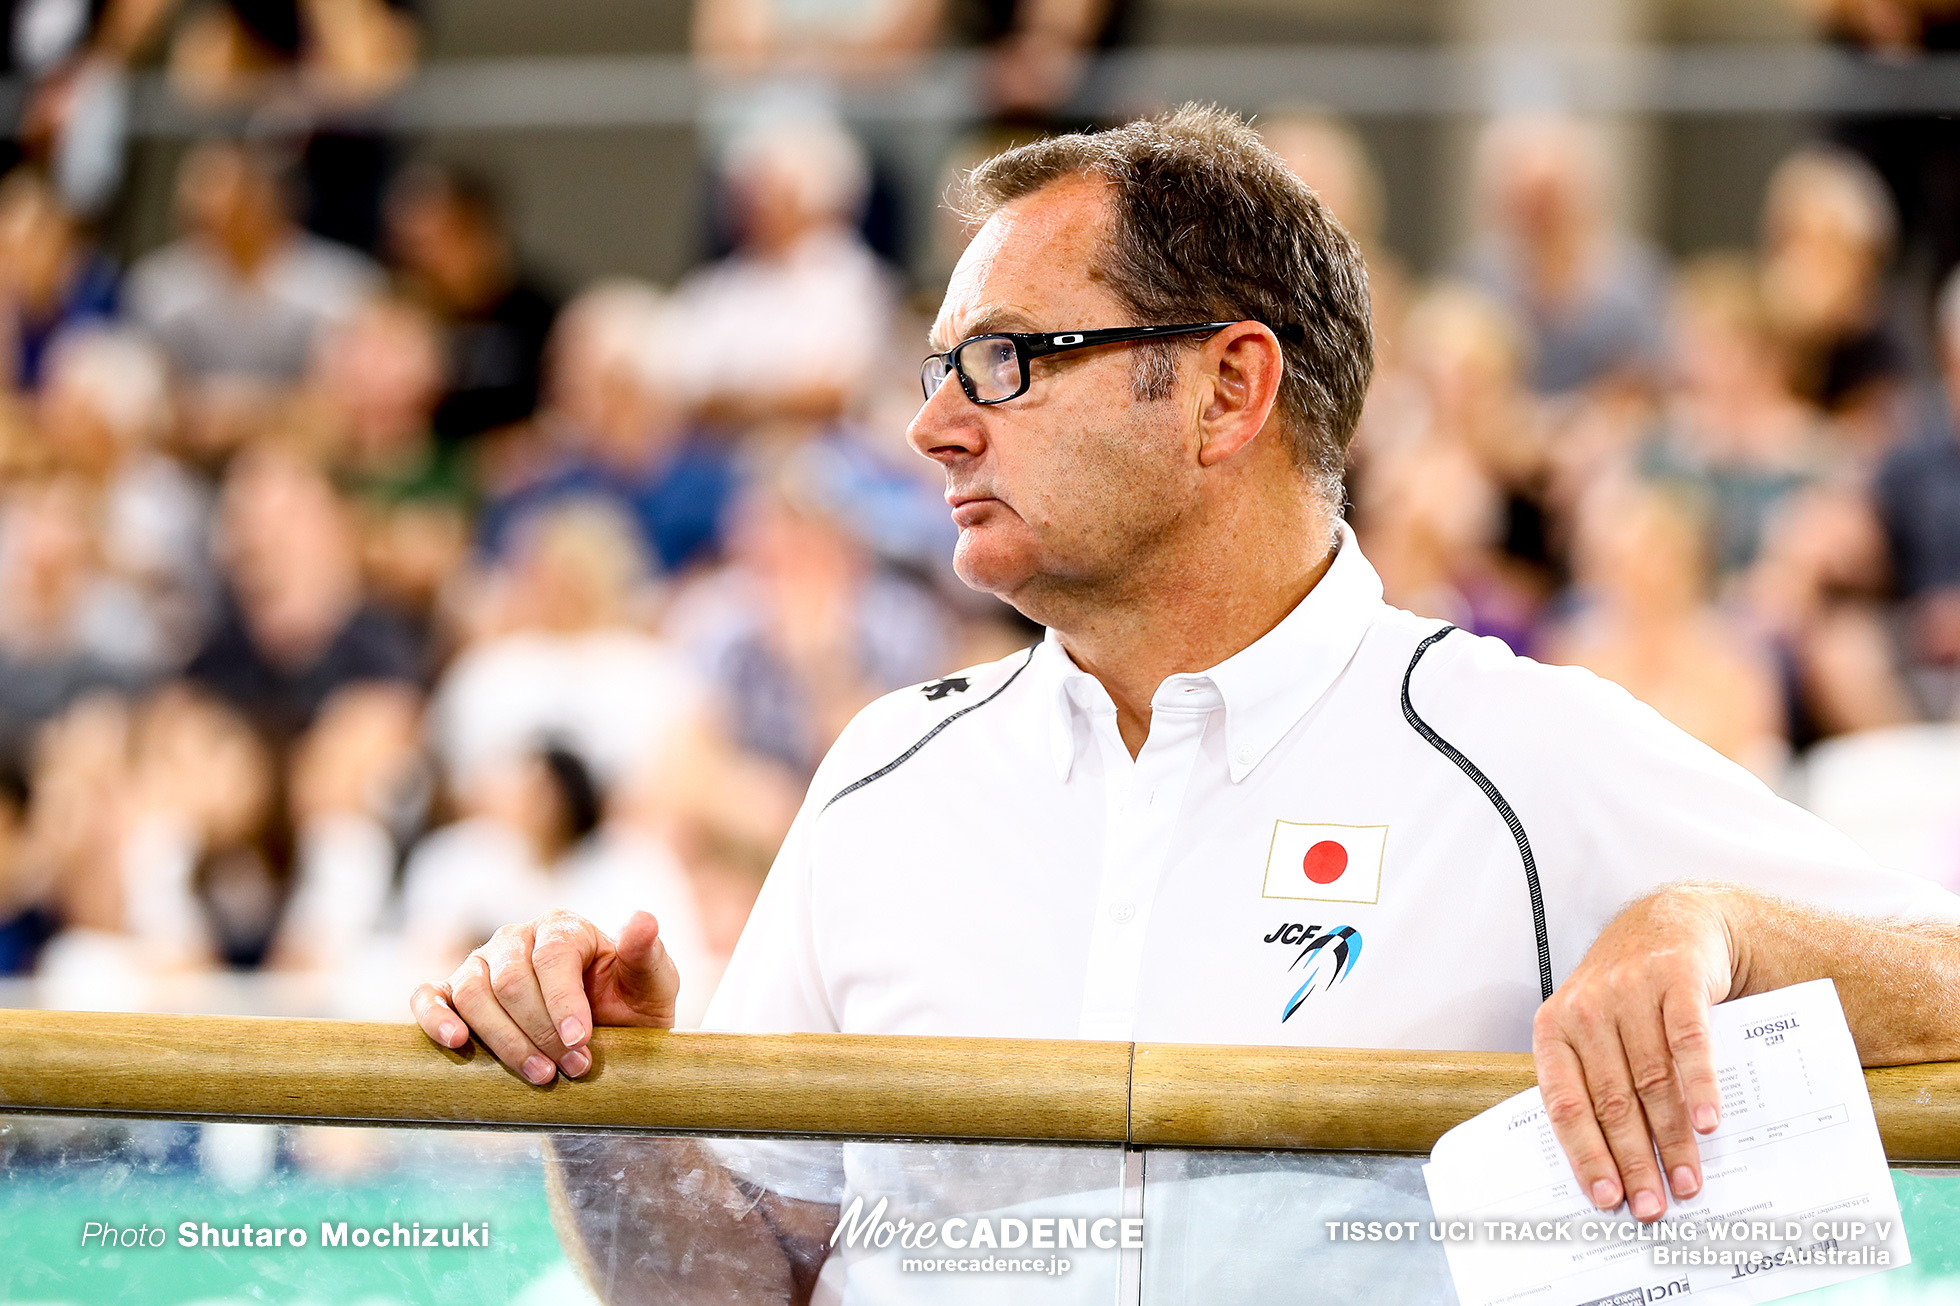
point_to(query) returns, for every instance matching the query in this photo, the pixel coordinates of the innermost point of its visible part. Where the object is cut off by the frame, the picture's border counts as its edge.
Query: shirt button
(1123, 912)
(1244, 755)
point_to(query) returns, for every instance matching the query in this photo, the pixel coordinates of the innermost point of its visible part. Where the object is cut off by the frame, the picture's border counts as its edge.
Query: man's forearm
(659, 1220)
(1899, 981)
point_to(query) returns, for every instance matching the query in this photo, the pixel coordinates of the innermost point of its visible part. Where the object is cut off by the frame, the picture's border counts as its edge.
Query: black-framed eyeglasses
(994, 368)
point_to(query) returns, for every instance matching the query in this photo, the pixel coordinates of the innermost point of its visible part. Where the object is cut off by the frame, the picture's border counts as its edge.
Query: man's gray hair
(1208, 226)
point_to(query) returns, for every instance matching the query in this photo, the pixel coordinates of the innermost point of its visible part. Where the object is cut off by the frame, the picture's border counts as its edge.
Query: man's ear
(1239, 372)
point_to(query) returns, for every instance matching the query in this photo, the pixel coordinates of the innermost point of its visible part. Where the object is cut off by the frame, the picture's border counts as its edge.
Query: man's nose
(948, 426)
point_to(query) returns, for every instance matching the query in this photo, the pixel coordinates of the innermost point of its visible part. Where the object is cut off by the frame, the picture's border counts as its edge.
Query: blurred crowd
(363, 589)
(354, 604)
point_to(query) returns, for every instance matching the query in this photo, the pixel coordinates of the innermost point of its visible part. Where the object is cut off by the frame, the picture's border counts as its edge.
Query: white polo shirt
(1288, 860)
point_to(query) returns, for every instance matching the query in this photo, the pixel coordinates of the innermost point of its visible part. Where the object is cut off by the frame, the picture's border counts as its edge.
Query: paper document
(1795, 1191)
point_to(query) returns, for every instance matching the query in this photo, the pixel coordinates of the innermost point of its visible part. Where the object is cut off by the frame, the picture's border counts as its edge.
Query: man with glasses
(1233, 796)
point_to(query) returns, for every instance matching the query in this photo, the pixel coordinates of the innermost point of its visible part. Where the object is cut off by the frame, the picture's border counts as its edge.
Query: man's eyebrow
(990, 322)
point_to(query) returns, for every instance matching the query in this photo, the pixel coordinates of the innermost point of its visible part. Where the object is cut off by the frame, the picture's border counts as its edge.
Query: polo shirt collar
(1266, 687)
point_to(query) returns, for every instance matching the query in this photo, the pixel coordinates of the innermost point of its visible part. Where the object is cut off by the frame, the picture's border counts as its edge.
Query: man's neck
(1191, 622)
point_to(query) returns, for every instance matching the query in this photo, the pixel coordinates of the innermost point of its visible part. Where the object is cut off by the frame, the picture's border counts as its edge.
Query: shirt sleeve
(1617, 802)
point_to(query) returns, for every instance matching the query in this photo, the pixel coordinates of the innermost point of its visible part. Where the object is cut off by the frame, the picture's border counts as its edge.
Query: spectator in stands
(790, 325)
(1817, 592)
(360, 793)
(1644, 621)
(315, 65)
(832, 36)
(245, 292)
(1918, 493)
(103, 414)
(804, 628)
(51, 276)
(616, 429)
(1828, 231)
(1590, 295)
(534, 837)
(295, 626)
(1450, 499)
(370, 397)
(1732, 429)
(564, 655)
(67, 626)
(164, 829)
(447, 238)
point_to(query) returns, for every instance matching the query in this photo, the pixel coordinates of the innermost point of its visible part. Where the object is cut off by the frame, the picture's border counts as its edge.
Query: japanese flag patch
(1325, 863)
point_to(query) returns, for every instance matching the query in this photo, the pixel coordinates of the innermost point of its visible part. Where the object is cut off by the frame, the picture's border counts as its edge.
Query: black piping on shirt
(925, 739)
(1482, 782)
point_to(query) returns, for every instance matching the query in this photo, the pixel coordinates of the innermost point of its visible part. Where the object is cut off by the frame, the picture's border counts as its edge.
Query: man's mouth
(969, 509)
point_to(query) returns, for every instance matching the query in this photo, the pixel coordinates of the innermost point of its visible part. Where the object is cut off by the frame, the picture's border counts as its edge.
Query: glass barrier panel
(1253, 1226)
(101, 1210)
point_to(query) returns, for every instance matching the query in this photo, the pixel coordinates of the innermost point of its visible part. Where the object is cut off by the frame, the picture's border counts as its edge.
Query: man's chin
(983, 564)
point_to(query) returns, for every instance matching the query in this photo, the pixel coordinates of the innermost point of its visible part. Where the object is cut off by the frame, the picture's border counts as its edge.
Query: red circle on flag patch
(1324, 862)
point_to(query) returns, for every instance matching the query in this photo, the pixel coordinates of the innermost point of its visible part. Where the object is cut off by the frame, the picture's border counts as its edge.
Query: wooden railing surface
(854, 1085)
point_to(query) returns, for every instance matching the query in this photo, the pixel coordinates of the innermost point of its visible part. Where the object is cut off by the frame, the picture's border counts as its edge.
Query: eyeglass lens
(991, 366)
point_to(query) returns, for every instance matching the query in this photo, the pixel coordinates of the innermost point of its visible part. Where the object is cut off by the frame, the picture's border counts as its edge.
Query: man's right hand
(534, 991)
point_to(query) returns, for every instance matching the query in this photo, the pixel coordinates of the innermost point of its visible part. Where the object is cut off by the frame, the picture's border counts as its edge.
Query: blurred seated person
(370, 399)
(51, 276)
(790, 325)
(1828, 232)
(1644, 622)
(360, 791)
(1817, 592)
(1732, 429)
(238, 301)
(1450, 498)
(165, 829)
(104, 414)
(803, 627)
(1918, 492)
(565, 650)
(1329, 155)
(26, 919)
(317, 61)
(295, 625)
(67, 626)
(533, 837)
(831, 36)
(616, 429)
(446, 238)
(1590, 294)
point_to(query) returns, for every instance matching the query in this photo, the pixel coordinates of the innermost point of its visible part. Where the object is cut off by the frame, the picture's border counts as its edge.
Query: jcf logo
(1329, 957)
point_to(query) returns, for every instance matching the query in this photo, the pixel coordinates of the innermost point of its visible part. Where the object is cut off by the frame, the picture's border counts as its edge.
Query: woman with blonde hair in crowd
(1645, 622)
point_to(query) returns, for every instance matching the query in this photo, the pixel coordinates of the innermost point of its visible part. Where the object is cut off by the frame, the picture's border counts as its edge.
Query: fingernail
(538, 1070)
(1685, 1183)
(450, 1033)
(1645, 1205)
(569, 1030)
(1705, 1118)
(576, 1062)
(1606, 1194)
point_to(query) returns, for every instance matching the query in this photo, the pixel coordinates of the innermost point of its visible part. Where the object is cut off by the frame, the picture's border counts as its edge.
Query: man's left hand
(1623, 1053)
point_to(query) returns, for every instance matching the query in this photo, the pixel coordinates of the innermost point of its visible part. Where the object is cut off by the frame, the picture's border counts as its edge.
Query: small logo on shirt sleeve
(1325, 863)
(938, 689)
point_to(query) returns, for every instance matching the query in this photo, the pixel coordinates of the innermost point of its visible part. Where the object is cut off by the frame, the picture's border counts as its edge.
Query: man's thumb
(648, 978)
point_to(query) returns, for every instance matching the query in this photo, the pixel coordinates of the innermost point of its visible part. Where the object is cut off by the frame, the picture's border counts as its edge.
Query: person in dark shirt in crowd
(618, 432)
(51, 277)
(1919, 500)
(296, 626)
(447, 238)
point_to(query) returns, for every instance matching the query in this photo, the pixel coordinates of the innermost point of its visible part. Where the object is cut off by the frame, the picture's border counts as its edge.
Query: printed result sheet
(1796, 1192)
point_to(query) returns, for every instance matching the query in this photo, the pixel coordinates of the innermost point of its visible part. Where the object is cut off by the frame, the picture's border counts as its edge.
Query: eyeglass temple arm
(1035, 345)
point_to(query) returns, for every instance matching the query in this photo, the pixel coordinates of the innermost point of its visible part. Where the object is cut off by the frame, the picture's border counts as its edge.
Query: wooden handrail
(860, 1086)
